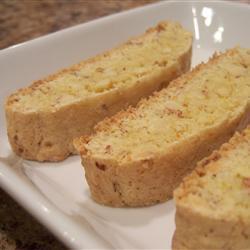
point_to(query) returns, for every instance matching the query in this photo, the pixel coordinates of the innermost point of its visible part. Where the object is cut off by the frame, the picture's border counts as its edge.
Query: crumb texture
(221, 183)
(213, 202)
(199, 100)
(134, 61)
(147, 150)
(44, 118)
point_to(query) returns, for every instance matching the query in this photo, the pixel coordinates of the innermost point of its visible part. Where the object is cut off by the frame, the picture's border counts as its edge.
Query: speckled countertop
(21, 20)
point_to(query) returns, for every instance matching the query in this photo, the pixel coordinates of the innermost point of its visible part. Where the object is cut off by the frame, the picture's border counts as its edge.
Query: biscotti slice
(43, 119)
(140, 155)
(213, 203)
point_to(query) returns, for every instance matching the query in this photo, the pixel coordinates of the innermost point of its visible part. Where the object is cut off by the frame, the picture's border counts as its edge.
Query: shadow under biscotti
(114, 225)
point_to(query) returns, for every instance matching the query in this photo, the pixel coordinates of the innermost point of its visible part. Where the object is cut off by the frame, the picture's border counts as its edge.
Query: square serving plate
(56, 193)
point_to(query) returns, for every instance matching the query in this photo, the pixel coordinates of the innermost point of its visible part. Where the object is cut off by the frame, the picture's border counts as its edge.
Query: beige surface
(213, 202)
(139, 156)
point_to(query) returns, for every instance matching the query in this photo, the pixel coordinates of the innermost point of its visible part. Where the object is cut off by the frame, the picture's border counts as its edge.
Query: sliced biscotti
(213, 203)
(139, 156)
(43, 119)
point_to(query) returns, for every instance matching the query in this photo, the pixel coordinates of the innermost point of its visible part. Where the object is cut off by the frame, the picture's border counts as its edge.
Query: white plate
(56, 193)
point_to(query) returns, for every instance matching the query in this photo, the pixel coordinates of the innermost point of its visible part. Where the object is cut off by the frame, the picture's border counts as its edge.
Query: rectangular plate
(56, 193)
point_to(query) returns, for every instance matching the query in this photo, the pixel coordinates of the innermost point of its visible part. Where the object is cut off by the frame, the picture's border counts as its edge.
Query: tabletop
(21, 21)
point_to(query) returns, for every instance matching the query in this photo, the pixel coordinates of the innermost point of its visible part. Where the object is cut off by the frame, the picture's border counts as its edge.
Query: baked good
(213, 202)
(139, 156)
(43, 119)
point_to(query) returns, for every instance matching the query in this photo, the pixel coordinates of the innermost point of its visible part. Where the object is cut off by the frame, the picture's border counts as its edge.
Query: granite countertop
(21, 21)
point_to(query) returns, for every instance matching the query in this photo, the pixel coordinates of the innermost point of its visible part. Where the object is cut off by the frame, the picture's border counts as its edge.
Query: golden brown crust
(195, 232)
(46, 135)
(161, 26)
(198, 230)
(150, 179)
(177, 83)
(202, 166)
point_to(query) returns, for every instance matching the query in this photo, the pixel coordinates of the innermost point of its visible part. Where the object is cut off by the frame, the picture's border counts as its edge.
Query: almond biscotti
(140, 155)
(43, 119)
(213, 203)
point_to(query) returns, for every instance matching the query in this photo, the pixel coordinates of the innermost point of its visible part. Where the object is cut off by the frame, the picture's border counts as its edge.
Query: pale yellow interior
(224, 191)
(123, 67)
(215, 93)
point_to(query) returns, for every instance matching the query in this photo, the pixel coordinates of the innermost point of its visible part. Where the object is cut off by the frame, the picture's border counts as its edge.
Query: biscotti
(140, 155)
(213, 203)
(43, 119)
